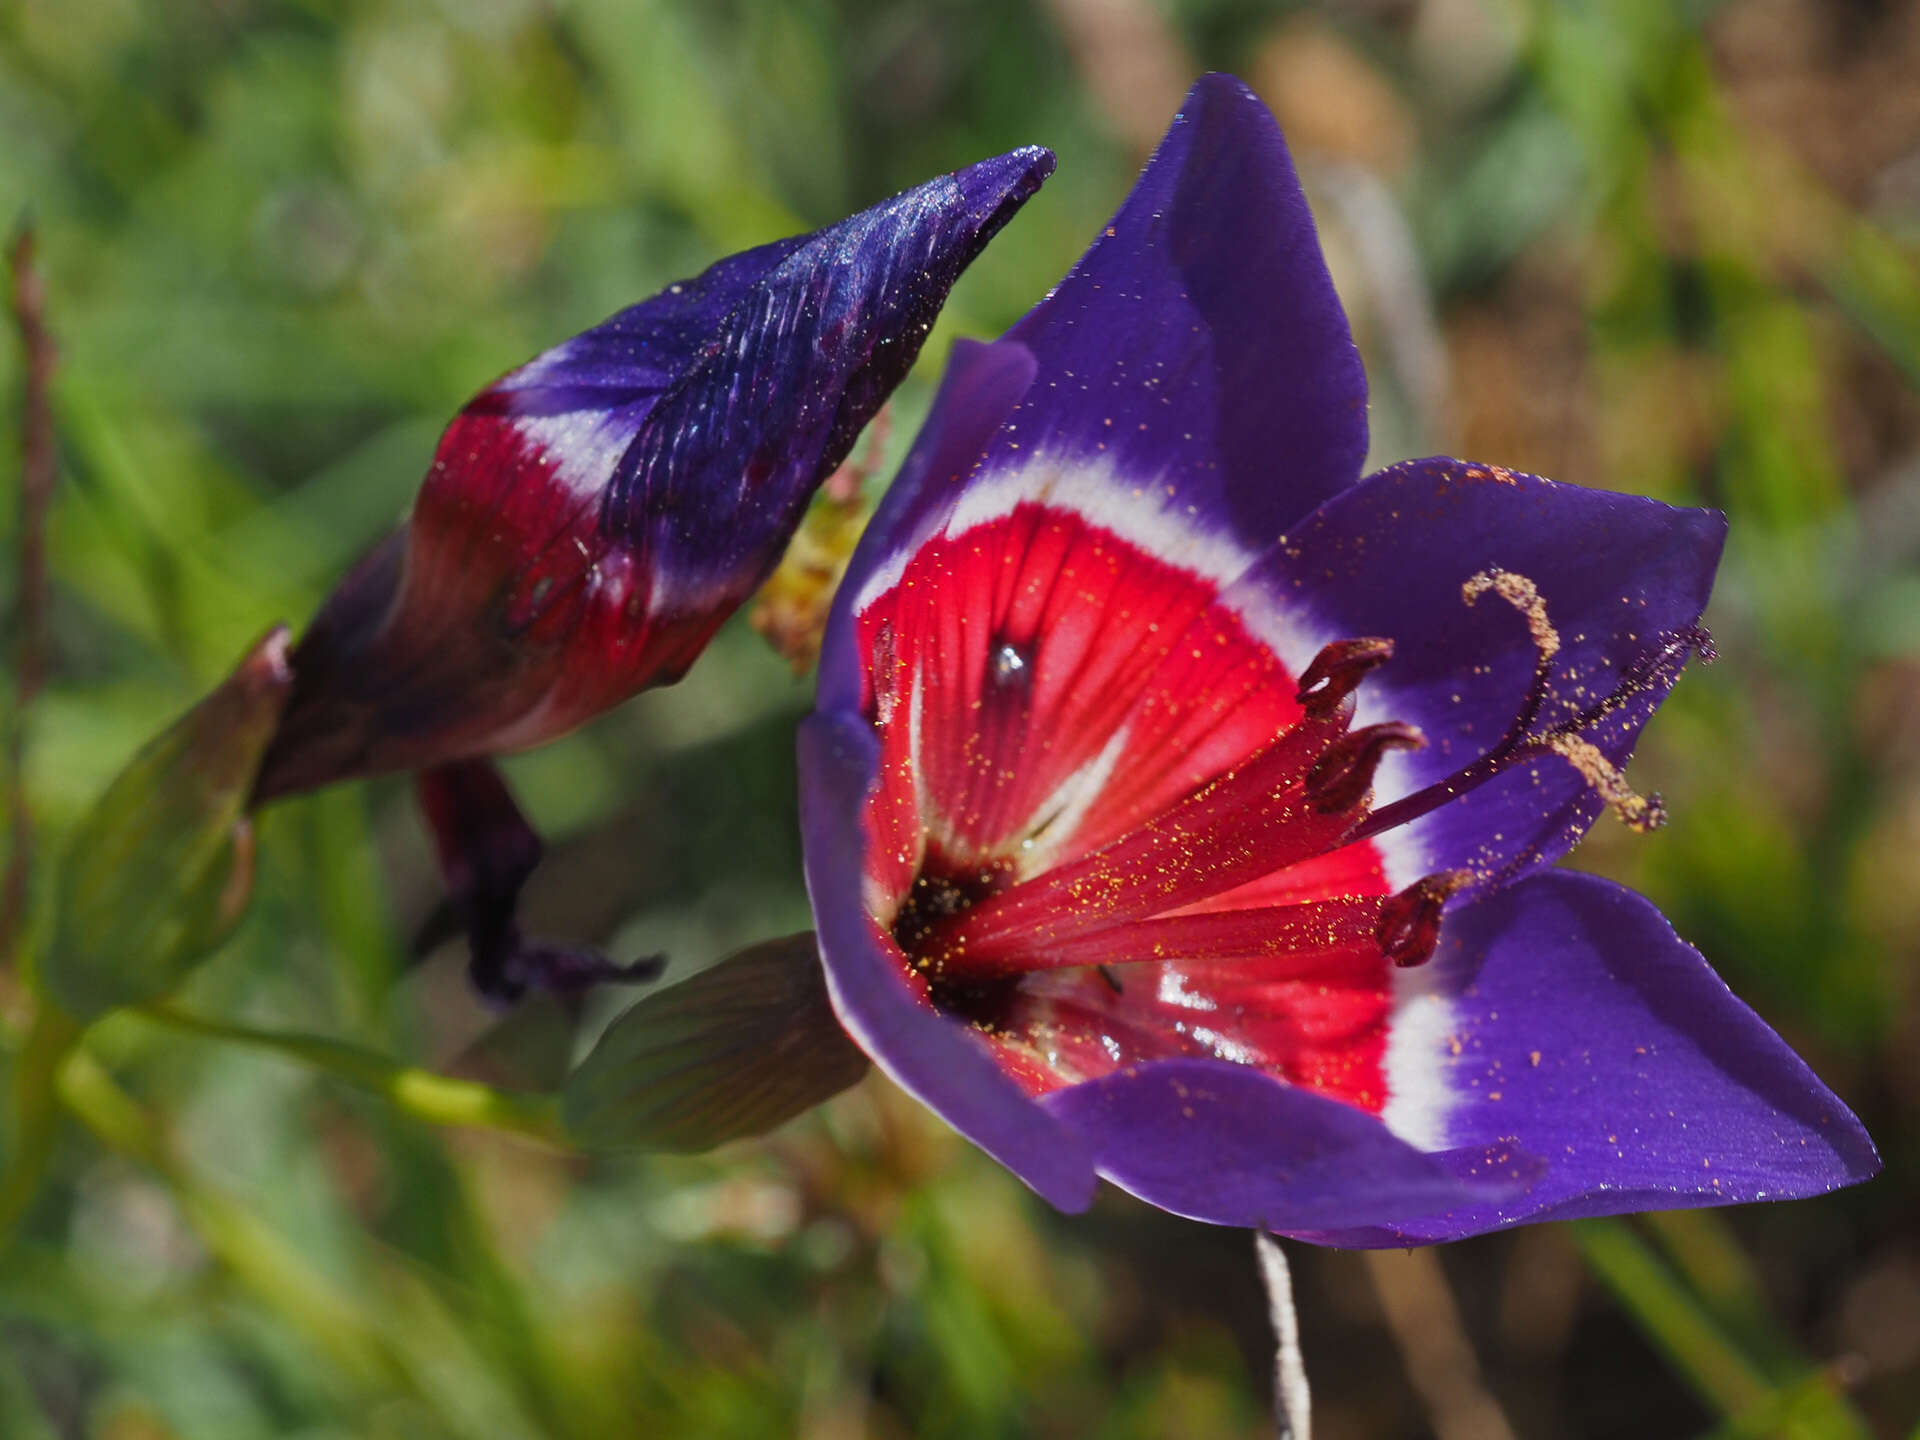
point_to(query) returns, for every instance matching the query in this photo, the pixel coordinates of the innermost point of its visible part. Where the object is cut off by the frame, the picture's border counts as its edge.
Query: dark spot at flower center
(939, 892)
(1010, 666)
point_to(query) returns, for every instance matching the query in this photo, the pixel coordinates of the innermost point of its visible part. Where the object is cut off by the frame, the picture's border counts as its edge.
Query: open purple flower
(592, 518)
(1179, 806)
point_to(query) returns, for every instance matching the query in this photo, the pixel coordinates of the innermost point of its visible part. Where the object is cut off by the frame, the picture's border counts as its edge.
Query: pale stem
(1292, 1401)
(436, 1099)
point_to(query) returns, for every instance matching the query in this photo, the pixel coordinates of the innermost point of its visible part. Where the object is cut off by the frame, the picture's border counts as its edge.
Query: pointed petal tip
(1032, 163)
(268, 667)
(1218, 87)
(994, 188)
(1221, 98)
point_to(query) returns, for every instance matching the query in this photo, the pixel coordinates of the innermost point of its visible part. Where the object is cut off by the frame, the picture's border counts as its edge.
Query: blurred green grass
(1656, 248)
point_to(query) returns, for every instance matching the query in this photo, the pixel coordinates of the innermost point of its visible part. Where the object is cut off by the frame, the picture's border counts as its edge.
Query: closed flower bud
(735, 1051)
(590, 519)
(158, 872)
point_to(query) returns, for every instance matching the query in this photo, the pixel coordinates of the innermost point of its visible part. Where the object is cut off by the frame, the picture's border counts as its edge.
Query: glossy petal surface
(1233, 378)
(1162, 390)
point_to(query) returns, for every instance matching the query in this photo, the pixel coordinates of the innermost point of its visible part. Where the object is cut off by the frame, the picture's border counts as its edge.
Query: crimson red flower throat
(1062, 901)
(1038, 861)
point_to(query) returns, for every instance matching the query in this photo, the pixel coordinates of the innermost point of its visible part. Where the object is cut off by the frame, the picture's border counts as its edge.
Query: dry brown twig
(38, 470)
(1441, 1365)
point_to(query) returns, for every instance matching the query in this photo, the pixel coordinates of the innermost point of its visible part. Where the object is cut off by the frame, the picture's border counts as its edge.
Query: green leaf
(158, 873)
(735, 1051)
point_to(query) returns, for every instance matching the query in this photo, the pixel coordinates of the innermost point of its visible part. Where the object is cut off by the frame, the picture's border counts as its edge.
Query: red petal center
(1107, 829)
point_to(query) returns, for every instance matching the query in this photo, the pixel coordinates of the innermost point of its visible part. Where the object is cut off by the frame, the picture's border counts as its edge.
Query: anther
(1342, 775)
(1409, 927)
(1338, 670)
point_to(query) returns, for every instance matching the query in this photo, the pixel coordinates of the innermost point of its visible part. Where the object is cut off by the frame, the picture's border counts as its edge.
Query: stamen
(1409, 927)
(1245, 824)
(1659, 667)
(1276, 942)
(1338, 670)
(1341, 777)
(1639, 813)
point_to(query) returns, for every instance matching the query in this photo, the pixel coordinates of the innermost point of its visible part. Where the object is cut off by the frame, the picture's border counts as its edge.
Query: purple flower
(592, 518)
(1179, 806)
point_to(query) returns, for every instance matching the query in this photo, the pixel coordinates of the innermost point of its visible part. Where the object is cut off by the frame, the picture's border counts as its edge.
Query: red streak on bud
(1409, 926)
(1341, 778)
(1338, 670)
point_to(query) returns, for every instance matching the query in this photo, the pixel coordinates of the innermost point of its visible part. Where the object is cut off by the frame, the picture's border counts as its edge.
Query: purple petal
(1226, 1144)
(1199, 341)
(785, 382)
(931, 1058)
(1194, 371)
(1620, 576)
(1579, 1029)
(593, 517)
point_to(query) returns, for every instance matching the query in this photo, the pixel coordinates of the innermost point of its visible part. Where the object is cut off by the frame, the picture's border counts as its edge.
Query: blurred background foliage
(1668, 248)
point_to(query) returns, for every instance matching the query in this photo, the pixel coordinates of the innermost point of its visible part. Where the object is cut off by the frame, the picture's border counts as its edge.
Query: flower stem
(39, 470)
(34, 1120)
(436, 1099)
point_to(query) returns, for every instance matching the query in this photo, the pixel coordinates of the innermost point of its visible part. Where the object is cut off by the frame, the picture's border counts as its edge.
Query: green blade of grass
(1695, 1344)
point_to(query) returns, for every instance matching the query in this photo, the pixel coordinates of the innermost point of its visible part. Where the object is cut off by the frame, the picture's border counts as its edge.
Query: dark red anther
(1341, 777)
(1338, 670)
(1409, 927)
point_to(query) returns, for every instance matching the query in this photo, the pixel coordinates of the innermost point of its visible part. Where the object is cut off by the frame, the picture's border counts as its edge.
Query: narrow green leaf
(1682, 1331)
(1695, 1344)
